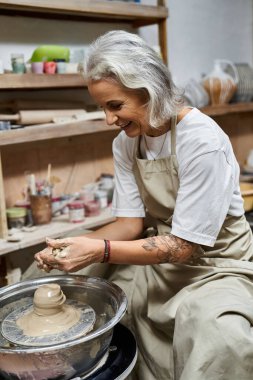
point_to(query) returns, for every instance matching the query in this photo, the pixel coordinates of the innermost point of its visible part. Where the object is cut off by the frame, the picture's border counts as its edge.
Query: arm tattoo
(169, 248)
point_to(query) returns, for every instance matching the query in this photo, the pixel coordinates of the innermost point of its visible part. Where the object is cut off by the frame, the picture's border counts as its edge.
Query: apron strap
(173, 135)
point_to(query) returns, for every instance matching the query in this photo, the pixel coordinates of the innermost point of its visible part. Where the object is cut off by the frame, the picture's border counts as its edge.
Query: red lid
(23, 203)
(76, 204)
(92, 204)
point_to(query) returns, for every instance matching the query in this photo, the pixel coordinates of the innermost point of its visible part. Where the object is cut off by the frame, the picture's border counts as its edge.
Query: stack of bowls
(244, 92)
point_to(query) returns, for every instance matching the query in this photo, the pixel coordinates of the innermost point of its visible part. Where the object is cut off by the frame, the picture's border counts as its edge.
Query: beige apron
(194, 321)
(214, 284)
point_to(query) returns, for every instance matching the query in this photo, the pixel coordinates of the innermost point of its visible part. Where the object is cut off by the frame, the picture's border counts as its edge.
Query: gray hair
(128, 59)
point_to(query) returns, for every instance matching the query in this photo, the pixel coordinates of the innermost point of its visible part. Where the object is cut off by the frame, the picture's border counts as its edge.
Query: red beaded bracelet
(107, 251)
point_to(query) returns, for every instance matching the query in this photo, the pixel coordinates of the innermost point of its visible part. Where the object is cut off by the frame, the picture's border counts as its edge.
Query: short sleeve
(204, 196)
(126, 198)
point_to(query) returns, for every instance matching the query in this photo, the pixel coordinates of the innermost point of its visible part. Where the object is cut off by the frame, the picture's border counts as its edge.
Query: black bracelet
(107, 251)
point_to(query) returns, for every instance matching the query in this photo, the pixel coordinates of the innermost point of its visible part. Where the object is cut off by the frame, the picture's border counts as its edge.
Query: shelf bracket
(162, 34)
(3, 219)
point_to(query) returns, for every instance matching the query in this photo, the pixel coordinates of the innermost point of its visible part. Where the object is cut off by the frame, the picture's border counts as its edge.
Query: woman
(189, 281)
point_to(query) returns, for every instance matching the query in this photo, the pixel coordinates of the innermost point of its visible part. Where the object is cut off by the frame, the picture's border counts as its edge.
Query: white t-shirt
(208, 176)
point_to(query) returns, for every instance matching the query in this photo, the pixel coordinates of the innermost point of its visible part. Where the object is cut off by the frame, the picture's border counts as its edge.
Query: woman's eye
(115, 106)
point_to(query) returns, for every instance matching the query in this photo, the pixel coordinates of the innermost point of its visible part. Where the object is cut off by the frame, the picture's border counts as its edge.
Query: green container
(46, 53)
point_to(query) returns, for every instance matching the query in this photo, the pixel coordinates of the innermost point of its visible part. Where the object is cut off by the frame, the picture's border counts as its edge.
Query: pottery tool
(64, 204)
(95, 115)
(40, 116)
(49, 174)
(32, 184)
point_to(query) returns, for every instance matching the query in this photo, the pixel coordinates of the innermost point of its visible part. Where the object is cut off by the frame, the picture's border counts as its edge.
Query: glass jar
(56, 206)
(92, 208)
(76, 211)
(101, 196)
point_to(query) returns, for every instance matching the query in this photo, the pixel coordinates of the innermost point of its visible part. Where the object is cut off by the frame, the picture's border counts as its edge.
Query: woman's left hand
(70, 254)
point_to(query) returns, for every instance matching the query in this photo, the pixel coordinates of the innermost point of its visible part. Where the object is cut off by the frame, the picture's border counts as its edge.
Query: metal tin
(16, 217)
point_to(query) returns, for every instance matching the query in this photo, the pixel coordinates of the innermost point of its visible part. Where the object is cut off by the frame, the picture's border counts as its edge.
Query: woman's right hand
(70, 254)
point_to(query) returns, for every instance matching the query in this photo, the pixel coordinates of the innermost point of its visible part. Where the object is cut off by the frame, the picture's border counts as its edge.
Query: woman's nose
(111, 118)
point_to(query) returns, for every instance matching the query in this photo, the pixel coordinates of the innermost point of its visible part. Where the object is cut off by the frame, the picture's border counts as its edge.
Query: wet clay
(50, 315)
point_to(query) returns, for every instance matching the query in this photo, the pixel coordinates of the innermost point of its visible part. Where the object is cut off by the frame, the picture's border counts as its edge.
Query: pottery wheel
(14, 334)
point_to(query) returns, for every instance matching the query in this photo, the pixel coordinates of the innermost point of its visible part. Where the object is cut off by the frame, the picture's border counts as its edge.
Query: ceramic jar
(18, 64)
(220, 85)
(50, 67)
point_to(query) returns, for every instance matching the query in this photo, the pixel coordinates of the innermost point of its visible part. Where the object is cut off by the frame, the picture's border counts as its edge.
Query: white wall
(207, 30)
(198, 32)
(24, 34)
(201, 30)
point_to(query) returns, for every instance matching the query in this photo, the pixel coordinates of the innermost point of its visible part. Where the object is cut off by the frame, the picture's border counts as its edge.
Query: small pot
(76, 357)
(247, 194)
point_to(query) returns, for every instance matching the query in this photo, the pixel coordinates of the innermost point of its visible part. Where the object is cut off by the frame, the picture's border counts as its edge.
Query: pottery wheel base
(15, 335)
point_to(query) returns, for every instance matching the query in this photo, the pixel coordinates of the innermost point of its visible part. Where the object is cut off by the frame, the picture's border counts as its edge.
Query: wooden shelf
(40, 81)
(58, 228)
(225, 109)
(136, 15)
(53, 131)
(105, 11)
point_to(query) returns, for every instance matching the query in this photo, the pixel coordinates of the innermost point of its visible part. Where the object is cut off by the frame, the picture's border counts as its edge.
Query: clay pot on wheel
(74, 357)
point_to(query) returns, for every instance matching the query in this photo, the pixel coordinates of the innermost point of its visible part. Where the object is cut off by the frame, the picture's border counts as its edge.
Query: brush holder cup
(41, 207)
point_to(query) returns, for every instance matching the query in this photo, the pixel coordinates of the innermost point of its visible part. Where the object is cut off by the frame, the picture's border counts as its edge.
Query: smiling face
(125, 108)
